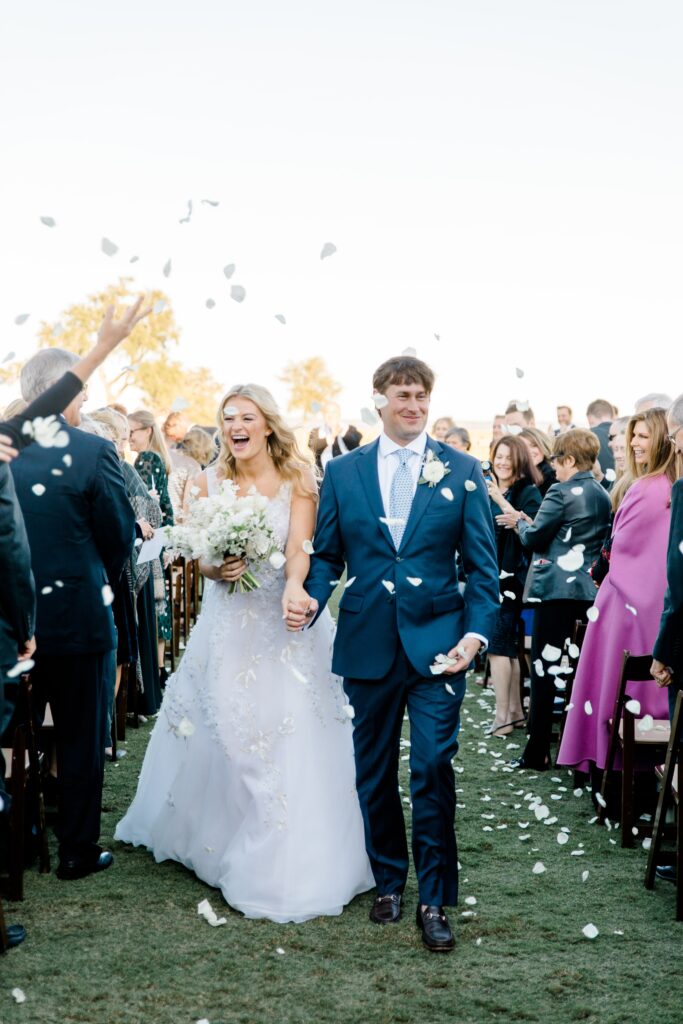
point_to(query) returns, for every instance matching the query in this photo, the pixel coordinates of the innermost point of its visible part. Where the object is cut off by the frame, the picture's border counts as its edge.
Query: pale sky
(503, 173)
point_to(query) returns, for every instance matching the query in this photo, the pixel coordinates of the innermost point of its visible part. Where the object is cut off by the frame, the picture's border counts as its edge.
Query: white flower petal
(18, 995)
(238, 293)
(280, 951)
(572, 560)
(599, 799)
(592, 614)
(590, 931)
(588, 707)
(277, 559)
(449, 689)
(447, 493)
(349, 582)
(539, 868)
(520, 373)
(229, 270)
(349, 710)
(67, 460)
(584, 876)
(550, 653)
(369, 417)
(631, 609)
(610, 475)
(380, 401)
(389, 586)
(645, 724)
(410, 351)
(471, 901)
(633, 706)
(46, 590)
(573, 650)
(49, 222)
(280, 318)
(470, 485)
(21, 319)
(109, 248)
(107, 595)
(38, 490)
(308, 547)
(210, 303)
(167, 267)
(328, 249)
(562, 838)
(577, 490)
(510, 595)
(184, 727)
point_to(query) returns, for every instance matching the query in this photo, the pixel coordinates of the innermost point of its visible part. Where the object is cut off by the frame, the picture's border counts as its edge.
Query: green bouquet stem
(245, 584)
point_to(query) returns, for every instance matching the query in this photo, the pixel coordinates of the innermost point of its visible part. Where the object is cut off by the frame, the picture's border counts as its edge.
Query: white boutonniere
(433, 470)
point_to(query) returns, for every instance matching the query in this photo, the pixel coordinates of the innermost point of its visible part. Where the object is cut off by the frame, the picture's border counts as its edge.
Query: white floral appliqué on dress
(260, 799)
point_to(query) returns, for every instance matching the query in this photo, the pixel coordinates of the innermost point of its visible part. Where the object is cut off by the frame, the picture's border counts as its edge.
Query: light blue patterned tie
(401, 495)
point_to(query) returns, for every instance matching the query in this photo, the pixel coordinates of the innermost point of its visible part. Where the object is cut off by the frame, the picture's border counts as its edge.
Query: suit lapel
(423, 496)
(367, 468)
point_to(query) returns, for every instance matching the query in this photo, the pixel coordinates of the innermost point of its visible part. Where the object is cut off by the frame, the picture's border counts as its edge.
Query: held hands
(297, 607)
(661, 673)
(463, 653)
(28, 650)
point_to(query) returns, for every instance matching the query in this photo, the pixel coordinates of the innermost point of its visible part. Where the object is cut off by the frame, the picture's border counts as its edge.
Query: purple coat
(629, 603)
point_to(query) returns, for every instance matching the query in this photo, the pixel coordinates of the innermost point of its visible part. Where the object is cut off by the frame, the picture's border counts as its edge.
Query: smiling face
(641, 444)
(405, 416)
(618, 446)
(502, 466)
(245, 429)
(535, 452)
(440, 429)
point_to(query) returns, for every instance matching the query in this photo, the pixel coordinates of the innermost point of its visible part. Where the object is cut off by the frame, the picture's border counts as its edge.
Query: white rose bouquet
(223, 526)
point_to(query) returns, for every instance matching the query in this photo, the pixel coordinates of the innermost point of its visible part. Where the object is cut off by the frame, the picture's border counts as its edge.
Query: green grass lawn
(128, 946)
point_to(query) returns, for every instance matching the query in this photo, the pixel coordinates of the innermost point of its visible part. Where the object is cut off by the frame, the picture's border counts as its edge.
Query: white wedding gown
(260, 800)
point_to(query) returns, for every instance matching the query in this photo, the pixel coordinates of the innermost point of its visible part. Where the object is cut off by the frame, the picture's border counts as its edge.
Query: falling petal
(109, 248)
(470, 485)
(21, 319)
(229, 270)
(280, 318)
(308, 547)
(568, 535)
(59, 583)
(369, 416)
(380, 401)
(592, 614)
(509, 594)
(133, 259)
(633, 706)
(349, 582)
(538, 666)
(328, 249)
(166, 269)
(211, 202)
(392, 521)
(610, 475)
(8, 358)
(573, 650)
(186, 218)
(179, 404)
(647, 842)
(107, 595)
(550, 653)
(447, 493)
(449, 689)
(572, 560)
(410, 351)
(299, 676)
(631, 609)
(19, 668)
(159, 306)
(590, 931)
(570, 579)
(277, 559)
(238, 293)
(520, 373)
(414, 581)
(588, 707)
(230, 410)
(38, 490)
(539, 868)
(349, 710)
(46, 590)
(210, 303)
(49, 222)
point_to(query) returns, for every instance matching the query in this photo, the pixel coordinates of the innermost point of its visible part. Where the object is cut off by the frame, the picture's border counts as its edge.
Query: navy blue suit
(386, 643)
(81, 530)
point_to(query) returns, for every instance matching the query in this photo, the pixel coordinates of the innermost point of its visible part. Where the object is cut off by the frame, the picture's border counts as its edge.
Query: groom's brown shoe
(386, 909)
(436, 931)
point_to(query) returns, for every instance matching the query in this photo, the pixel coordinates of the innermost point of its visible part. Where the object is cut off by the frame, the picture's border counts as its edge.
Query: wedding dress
(249, 777)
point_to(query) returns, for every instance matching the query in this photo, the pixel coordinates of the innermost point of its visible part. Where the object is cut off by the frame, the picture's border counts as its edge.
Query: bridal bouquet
(223, 526)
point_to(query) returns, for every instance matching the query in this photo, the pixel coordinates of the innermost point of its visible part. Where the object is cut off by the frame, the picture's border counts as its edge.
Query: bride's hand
(231, 570)
(297, 607)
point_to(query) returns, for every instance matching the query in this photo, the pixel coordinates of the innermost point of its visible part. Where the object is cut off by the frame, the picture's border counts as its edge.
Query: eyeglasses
(672, 437)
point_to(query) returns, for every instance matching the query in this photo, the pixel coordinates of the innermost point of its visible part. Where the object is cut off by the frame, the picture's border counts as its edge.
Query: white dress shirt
(387, 464)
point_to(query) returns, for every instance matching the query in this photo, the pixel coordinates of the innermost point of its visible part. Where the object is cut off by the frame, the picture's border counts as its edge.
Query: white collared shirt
(387, 463)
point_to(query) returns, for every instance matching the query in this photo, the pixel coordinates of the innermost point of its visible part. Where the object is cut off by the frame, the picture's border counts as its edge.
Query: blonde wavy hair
(662, 454)
(156, 439)
(283, 448)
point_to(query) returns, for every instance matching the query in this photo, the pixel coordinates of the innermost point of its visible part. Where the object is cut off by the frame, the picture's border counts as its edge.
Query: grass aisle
(127, 946)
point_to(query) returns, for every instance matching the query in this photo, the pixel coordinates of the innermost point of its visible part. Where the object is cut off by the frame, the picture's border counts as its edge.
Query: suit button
(398, 559)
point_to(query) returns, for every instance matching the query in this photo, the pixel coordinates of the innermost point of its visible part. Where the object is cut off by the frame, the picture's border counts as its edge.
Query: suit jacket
(579, 505)
(605, 456)
(81, 531)
(429, 618)
(17, 593)
(669, 645)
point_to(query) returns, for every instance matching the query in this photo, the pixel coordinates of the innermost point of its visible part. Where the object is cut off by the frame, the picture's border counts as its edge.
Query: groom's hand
(463, 653)
(298, 614)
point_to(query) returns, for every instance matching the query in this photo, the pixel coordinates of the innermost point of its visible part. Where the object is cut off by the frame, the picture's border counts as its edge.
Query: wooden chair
(669, 794)
(23, 779)
(627, 735)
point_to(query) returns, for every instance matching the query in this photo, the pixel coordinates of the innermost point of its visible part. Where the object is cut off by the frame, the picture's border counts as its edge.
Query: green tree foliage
(310, 385)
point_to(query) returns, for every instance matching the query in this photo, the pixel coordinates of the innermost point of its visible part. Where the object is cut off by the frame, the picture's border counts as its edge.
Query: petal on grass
(590, 931)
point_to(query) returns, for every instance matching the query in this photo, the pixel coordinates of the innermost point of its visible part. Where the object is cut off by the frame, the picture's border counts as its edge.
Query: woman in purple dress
(630, 600)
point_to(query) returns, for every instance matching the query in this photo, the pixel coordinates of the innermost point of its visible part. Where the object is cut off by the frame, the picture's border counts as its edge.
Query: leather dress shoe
(69, 870)
(521, 762)
(386, 909)
(667, 872)
(436, 931)
(16, 933)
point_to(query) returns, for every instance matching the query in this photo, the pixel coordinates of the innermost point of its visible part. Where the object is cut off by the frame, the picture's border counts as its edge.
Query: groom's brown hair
(403, 370)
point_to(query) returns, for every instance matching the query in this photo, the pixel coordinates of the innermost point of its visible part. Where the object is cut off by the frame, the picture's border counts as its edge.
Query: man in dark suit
(395, 512)
(81, 529)
(600, 414)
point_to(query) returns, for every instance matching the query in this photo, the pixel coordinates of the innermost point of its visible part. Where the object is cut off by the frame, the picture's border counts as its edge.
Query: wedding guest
(565, 539)
(617, 444)
(564, 420)
(183, 467)
(515, 489)
(600, 414)
(458, 438)
(540, 451)
(334, 438)
(199, 445)
(497, 429)
(441, 427)
(518, 415)
(653, 400)
(630, 599)
(174, 429)
(79, 525)
(154, 465)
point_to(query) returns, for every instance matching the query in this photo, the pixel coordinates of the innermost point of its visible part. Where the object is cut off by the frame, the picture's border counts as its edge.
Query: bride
(249, 778)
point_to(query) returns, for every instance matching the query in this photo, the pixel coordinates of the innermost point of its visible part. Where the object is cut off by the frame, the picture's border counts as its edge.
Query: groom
(395, 512)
